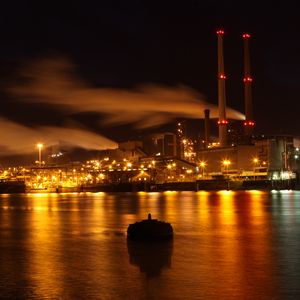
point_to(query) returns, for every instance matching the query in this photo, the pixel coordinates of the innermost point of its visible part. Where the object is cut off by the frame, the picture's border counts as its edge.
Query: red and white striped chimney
(249, 122)
(221, 92)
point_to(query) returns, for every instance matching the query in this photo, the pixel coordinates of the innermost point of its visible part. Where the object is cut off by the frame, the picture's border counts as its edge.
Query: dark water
(227, 245)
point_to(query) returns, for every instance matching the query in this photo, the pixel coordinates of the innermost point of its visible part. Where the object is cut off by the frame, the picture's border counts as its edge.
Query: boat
(150, 229)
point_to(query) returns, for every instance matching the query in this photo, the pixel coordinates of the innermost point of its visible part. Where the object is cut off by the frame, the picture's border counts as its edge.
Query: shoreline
(199, 185)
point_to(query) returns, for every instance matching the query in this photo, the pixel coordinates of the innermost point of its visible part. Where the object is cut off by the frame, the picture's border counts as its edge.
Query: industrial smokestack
(221, 92)
(249, 123)
(206, 127)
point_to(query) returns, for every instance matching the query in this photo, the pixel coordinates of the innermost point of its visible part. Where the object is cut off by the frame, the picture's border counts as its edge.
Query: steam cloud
(16, 138)
(53, 81)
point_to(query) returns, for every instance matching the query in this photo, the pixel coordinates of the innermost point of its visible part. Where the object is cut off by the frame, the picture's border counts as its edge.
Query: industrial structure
(175, 157)
(249, 157)
(221, 92)
(249, 122)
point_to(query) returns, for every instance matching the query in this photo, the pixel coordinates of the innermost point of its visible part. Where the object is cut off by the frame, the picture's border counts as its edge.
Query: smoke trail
(53, 81)
(19, 139)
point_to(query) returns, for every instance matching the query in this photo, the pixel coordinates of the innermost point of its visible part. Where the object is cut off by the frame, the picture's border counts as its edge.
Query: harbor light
(202, 165)
(226, 163)
(40, 146)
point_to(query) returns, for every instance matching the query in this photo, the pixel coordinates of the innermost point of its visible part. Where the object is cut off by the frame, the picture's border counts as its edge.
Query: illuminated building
(181, 135)
(161, 144)
(188, 147)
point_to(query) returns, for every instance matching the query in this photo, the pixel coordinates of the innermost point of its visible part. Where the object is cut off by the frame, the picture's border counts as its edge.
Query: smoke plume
(53, 81)
(19, 139)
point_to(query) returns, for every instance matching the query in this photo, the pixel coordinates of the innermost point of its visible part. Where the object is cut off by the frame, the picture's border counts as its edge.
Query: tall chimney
(249, 123)
(221, 92)
(206, 127)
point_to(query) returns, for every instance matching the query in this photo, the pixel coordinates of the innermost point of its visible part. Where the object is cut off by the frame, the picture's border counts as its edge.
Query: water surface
(227, 245)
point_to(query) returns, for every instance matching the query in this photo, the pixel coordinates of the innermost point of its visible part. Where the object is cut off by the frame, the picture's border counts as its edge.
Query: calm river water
(227, 245)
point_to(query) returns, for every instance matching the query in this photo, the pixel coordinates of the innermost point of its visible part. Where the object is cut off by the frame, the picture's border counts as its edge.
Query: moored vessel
(150, 229)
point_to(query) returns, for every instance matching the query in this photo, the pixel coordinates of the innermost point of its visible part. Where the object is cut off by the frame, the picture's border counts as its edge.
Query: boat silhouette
(150, 229)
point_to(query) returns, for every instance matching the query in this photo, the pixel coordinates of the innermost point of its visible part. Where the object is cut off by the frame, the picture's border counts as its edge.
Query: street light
(40, 146)
(255, 162)
(202, 165)
(226, 164)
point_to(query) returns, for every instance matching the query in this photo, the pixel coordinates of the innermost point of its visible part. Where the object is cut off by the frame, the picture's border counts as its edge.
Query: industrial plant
(236, 159)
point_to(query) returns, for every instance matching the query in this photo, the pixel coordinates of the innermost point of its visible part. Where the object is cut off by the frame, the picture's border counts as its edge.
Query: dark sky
(123, 44)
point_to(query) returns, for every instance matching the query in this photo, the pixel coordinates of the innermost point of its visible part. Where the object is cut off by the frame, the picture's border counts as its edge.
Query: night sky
(122, 45)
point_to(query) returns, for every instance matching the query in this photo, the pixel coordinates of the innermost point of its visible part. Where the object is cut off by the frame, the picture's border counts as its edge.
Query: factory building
(161, 144)
(129, 150)
(155, 145)
(234, 159)
(273, 157)
(237, 154)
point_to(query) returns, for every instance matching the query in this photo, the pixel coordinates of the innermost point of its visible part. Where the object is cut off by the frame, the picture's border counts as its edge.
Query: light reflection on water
(227, 245)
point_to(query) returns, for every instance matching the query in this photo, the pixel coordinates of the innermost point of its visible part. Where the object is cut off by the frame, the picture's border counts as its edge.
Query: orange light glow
(226, 162)
(202, 164)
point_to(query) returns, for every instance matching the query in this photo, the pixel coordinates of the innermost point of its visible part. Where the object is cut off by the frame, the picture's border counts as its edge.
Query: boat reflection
(150, 257)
